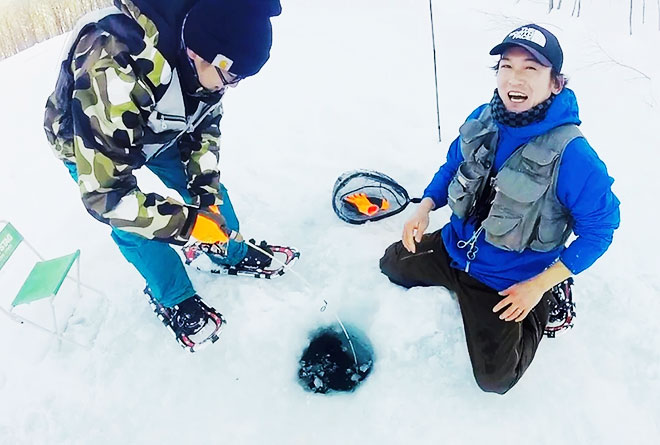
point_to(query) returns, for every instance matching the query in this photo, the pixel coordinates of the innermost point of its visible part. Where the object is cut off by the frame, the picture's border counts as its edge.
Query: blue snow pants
(158, 263)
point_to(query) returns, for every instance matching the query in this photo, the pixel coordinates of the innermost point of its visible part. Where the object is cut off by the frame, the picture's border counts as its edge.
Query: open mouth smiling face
(517, 97)
(522, 81)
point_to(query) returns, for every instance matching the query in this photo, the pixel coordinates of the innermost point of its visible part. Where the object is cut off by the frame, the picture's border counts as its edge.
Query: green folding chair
(44, 281)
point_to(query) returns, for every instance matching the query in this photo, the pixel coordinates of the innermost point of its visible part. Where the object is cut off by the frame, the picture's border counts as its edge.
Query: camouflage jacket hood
(110, 108)
(166, 16)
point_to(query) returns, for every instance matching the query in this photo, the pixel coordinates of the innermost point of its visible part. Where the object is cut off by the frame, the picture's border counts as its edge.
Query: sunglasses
(235, 79)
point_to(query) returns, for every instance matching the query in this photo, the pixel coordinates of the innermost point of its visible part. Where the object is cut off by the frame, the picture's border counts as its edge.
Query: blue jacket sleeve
(584, 188)
(438, 188)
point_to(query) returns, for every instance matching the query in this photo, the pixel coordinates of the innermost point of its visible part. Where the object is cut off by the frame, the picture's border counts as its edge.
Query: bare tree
(630, 16)
(643, 11)
(577, 7)
(611, 60)
(577, 4)
(26, 22)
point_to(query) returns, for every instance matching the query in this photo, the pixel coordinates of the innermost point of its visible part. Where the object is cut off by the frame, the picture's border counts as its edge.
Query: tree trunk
(643, 11)
(26, 22)
(630, 17)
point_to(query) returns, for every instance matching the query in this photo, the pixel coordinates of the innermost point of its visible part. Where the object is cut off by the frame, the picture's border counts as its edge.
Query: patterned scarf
(503, 116)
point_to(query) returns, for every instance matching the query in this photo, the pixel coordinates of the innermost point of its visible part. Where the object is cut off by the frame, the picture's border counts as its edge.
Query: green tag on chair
(10, 239)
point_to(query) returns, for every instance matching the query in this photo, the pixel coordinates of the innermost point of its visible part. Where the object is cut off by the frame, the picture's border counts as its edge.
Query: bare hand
(414, 229)
(521, 299)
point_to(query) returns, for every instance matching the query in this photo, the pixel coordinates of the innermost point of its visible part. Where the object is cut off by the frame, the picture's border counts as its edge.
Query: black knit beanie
(234, 35)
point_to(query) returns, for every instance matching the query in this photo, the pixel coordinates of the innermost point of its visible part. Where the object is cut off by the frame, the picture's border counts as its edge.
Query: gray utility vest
(168, 120)
(525, 212)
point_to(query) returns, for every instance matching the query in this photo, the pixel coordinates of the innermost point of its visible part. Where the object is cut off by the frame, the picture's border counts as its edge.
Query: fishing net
(366, 195)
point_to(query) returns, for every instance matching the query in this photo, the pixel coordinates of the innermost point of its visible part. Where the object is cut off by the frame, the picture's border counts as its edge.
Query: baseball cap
(540, 42)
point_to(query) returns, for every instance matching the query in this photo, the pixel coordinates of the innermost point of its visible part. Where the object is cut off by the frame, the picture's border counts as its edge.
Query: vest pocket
(538, 161)
(510, 222)
(463, 188)
(504, 231)
(549, 234)
(519, 186)
(161, 122)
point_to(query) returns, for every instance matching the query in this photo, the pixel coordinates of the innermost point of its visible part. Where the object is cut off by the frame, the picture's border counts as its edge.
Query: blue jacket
(584, 188)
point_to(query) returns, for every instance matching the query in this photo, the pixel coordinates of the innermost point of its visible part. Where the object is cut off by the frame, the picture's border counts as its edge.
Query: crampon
(192, 340)
(562, 315)
(199, 255)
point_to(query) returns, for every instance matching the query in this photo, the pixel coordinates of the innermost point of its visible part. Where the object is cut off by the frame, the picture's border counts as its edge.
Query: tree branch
(616, 62)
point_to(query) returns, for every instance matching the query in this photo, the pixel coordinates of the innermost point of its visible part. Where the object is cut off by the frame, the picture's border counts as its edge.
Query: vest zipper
(190, 126)
(170, 117)
(163, 118)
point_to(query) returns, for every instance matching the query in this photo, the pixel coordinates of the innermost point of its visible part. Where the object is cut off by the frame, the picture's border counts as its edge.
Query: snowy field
(349, 85)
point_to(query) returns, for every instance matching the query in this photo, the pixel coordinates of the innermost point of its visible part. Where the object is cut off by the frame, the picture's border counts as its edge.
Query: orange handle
(207, 229)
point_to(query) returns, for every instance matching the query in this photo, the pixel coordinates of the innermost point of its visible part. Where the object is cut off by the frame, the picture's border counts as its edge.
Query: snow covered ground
(349, 85)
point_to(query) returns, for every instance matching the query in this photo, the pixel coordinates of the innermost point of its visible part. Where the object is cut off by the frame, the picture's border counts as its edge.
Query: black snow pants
(500, 351)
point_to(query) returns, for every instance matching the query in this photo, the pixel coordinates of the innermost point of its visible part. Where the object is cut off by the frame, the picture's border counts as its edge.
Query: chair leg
(10, 314)
(79, 286)
(20, 320)
(78, 276)
(83, 285)
(52, 311)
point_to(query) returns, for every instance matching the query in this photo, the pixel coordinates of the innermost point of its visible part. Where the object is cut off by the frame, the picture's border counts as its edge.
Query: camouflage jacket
(112, 109)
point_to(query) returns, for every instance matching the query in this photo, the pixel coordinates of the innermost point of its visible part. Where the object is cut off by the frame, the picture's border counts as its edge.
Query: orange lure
(364, 204)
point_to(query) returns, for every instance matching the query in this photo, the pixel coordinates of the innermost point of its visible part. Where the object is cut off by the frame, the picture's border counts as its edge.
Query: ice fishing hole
(328, 365)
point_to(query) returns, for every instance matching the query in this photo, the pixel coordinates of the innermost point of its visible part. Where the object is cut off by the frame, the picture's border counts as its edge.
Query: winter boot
(255, 259)
(562, 314)
(257, 262)
(193, 323)
(188, 317)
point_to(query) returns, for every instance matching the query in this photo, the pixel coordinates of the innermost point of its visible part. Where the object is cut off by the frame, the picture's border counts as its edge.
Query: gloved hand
(211, 228)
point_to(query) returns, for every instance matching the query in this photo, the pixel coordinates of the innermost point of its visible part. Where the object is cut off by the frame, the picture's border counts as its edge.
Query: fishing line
(289, 268)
